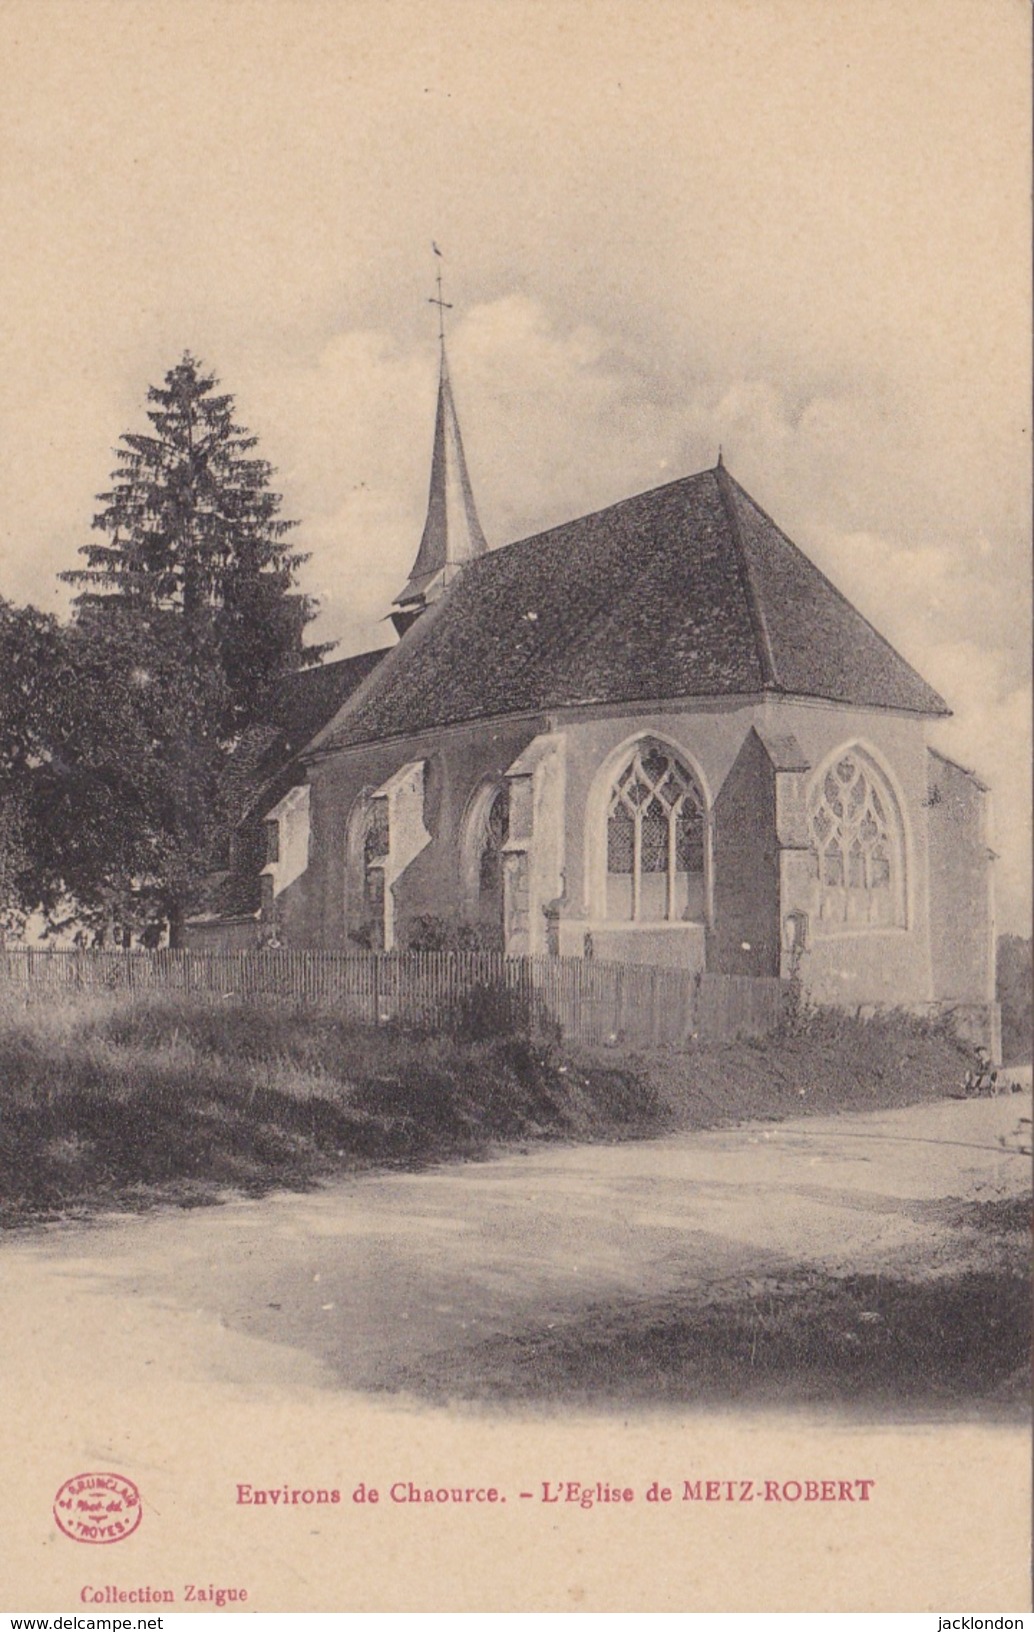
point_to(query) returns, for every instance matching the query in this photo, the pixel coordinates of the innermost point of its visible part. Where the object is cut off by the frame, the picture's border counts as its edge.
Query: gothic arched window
(366, 847)
(655, 839)
(857, 848)
(375, 854)
(494, 834)
(485, 830)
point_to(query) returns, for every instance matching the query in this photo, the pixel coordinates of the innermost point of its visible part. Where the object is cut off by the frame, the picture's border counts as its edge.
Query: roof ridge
(769, 677)
(590, 515)
(336, 663)
(686, 591)
(944, 710)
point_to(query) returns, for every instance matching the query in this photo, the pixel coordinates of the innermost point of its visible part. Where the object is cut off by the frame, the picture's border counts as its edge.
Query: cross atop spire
(436, 299)
(452, 532)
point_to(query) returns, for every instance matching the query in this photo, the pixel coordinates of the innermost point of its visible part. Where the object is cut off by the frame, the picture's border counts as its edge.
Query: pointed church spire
(452, 532)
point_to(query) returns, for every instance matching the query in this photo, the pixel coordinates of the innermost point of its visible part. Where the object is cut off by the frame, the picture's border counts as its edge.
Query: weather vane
(436, 300)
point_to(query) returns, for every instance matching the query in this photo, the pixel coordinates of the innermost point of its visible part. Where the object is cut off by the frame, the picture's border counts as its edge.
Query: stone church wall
(961, 899)
(865, 965)
(745, 934)
(761, 873)
(707, 739)
(315, 910)
(760, 866)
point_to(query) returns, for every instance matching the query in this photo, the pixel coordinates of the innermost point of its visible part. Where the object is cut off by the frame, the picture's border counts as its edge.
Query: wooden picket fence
(582, 1000)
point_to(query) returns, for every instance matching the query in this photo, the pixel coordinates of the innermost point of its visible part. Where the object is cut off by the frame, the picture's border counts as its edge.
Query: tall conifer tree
(194, 532)
(187, 615)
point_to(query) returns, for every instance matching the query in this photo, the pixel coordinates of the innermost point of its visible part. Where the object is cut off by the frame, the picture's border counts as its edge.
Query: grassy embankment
(929, 1336)
(117, 1102)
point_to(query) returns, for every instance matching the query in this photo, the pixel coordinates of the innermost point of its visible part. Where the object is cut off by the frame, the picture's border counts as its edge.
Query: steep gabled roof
(306, 700)
(294, 710)
(687, 591)
(817, 644)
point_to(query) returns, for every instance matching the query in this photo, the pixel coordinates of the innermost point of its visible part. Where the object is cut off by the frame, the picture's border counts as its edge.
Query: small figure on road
(982, 1078)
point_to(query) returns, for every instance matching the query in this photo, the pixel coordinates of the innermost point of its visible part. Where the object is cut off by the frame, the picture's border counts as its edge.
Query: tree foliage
(194, 529)
(115, 731)
(29, 643)
(130, 807)
(110, 783)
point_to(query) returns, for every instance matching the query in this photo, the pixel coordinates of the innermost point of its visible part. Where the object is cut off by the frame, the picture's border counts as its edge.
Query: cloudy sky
(793, 227)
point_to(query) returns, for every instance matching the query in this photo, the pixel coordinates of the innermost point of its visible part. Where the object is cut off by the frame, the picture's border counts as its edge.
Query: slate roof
(305, 701)
(689, 590)
(300, 705)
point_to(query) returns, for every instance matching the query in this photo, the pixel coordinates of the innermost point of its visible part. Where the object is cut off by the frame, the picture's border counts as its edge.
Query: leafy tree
(194, 529)
(29, 643)
(110, 769)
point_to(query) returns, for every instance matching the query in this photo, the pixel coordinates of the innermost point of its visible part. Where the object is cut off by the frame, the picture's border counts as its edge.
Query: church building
(654, 734)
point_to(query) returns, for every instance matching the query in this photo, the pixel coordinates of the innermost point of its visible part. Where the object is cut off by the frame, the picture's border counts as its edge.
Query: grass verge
(122, 1101)
(920, 1339)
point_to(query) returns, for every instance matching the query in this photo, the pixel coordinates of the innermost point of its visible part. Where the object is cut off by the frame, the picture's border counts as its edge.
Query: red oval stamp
(98, 1508)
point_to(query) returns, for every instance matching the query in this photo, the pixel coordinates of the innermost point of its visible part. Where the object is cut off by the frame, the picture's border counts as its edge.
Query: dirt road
(366, 1276)
(258, 1342)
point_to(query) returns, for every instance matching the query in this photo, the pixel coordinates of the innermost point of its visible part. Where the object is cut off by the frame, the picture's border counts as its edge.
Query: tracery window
(493, 838)
(484, 834)
(655, 839)
(856, 845)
